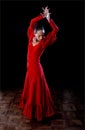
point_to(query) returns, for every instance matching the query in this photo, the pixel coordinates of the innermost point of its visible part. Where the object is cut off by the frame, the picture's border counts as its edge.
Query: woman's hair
(39, 27)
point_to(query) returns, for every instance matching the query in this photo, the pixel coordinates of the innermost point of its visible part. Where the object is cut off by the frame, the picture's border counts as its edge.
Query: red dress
(36, 100)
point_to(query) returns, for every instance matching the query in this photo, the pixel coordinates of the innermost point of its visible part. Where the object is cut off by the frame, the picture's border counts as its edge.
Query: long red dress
(36, 101)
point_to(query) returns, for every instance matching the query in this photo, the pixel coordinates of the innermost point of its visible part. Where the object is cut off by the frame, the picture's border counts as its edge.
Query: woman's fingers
(46, 7)
(41, 14)
(45, 11)
(43, 8)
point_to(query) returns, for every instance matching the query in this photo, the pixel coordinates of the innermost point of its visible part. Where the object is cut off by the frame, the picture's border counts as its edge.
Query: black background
(62, 62)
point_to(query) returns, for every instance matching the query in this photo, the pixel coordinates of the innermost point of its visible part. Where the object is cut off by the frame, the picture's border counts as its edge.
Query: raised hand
(46, 13)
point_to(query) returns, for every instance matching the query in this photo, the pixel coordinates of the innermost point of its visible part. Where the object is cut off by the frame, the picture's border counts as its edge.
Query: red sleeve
(30, 30)
(51, 36)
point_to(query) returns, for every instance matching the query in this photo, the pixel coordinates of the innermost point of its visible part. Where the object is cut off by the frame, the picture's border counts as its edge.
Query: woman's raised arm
(51, 36)
(32, 25)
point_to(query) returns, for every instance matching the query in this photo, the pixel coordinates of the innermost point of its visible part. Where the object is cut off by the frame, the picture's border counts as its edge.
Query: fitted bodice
(34, 54)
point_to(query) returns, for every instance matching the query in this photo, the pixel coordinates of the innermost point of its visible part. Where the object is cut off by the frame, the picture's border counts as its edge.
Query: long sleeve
(55, 28)
(30, 32)
(33, 22)
(51, 36)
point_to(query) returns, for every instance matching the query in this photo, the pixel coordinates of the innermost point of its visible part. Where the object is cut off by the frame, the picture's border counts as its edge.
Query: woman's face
(39, 35)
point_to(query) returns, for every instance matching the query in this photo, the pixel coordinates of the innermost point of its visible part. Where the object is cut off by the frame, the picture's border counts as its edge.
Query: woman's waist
(34, 62)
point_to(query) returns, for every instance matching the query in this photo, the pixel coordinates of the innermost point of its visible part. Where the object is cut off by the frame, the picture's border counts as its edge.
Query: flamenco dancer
(36, 101)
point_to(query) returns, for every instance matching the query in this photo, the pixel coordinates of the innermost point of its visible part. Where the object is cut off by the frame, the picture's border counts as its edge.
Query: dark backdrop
(62, 62)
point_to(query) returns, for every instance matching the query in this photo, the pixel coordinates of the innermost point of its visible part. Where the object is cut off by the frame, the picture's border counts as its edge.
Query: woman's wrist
(48, 17)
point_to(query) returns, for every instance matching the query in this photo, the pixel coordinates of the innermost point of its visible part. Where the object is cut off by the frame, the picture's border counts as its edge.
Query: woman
(36, 100)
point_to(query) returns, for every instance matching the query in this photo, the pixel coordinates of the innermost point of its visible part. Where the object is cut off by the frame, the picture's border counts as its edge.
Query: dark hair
(39, 27)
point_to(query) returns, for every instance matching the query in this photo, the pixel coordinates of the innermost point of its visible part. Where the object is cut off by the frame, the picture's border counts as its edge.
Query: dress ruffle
(37, 111)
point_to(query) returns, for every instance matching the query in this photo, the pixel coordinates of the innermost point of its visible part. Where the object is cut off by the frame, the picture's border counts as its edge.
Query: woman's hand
(46, 13)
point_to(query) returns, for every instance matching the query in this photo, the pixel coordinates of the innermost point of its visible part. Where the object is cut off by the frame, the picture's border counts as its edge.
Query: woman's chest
(35, 50)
